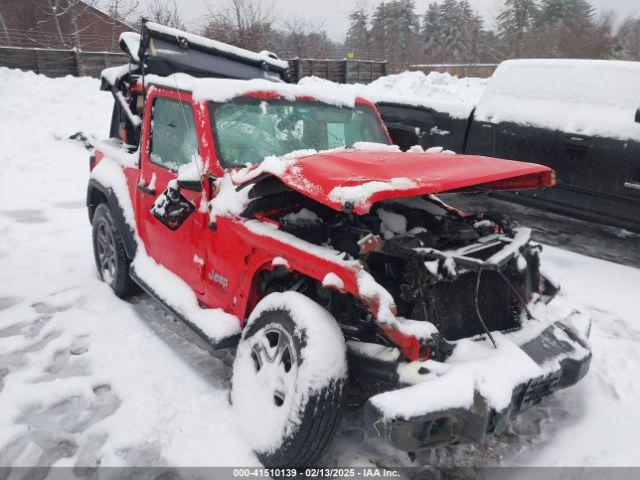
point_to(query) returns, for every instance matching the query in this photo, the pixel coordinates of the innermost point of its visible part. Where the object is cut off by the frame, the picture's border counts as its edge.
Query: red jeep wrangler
(278, 220)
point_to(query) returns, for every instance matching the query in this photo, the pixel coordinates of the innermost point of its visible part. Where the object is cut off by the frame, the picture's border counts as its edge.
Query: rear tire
(108, 250)
(289, 376)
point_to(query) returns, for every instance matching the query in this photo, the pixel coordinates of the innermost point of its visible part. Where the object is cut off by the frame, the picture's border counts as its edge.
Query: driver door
(171, 224)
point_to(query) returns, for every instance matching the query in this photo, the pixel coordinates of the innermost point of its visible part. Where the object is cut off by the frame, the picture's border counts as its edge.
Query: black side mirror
(638, 116)
(190, 185)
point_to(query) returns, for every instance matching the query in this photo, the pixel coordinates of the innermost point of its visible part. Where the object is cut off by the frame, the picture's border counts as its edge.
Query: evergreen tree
(460, 31)
(473, 28)
(432, 31)
(395, 31)
(406, 27)
(565, 28)
(565, 13)
(453, 36)
(515, 21)
(627, 40)
(380, 27)
(358, 38)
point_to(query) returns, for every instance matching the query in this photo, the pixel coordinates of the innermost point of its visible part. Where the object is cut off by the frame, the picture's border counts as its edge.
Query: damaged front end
(467, 275)
(476, 392)
(462, 275)
(450, 326)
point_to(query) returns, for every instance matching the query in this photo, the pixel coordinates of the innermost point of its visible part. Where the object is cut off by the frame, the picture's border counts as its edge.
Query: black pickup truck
(579, 117)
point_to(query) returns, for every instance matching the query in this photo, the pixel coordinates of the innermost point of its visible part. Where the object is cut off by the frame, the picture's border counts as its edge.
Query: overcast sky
(333, 12)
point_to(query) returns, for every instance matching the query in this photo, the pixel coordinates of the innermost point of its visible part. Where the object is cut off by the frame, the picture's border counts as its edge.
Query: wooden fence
(58, 63)
(339, 71)
(482, 70)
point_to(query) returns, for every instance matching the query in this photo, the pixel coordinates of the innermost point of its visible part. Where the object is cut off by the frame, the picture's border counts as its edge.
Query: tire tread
(318, 421)
(123, 286)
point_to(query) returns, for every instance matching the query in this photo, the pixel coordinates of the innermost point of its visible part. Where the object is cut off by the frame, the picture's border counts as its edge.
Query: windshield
(248, 129)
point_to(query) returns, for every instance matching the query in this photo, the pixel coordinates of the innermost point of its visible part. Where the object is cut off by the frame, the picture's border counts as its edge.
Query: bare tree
(4, 28)
(55, 10)
(245, 23)
(627, 39)
(72, 10)
(121, 11)
(304, 38)
(601, 41)
(165, 13)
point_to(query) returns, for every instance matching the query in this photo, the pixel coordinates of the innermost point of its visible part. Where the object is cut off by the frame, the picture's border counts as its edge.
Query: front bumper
(473, 400)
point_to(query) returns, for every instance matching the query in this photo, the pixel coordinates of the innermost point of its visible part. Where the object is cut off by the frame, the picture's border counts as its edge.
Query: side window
(364, 127)
(173, 133)
(121, 128)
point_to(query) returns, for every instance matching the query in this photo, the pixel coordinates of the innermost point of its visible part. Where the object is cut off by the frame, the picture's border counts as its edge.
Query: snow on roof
(222, 90)
(132, 42)
(588, 97)
(207, 42)
(112, 75)
(439, 91)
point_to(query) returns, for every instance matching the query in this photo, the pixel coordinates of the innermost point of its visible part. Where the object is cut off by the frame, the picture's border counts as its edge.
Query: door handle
(145, 190)
(576, 141)
(632, 185)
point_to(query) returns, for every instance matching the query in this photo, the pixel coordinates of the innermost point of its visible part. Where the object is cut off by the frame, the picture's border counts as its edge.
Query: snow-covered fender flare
(97, 194)
(263, 261)
(334, 273)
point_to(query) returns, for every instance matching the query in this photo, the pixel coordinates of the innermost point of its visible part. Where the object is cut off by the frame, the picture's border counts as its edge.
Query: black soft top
(165, 51)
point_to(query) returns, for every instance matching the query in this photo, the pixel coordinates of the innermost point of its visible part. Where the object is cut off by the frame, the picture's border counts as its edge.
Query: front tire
(289, 375)
(108, 250)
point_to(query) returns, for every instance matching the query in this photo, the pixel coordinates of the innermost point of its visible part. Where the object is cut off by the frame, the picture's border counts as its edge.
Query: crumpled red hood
(362, 178)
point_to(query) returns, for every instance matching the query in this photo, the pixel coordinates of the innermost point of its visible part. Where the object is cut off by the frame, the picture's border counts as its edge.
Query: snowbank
(85, 378)
(587, 97)
(439, 91)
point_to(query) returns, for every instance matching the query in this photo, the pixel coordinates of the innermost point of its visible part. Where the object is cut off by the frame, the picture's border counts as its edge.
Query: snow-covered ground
(88, 379)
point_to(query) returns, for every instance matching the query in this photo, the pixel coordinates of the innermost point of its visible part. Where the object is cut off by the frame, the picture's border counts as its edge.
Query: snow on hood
(363, 177)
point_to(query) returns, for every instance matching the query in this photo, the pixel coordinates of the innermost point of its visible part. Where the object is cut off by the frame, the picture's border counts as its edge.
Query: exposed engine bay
(465, 273)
